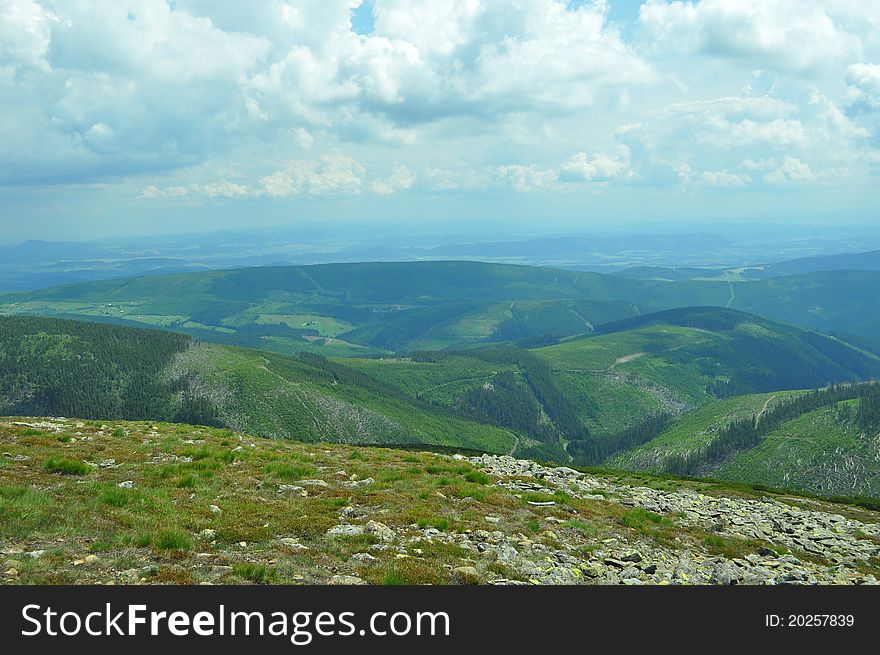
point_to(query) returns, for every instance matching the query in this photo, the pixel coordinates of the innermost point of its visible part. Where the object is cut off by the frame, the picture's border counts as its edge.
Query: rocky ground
(138, 503)
(847, 544)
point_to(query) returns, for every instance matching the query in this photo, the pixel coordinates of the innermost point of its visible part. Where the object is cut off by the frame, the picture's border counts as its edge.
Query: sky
(128, 117)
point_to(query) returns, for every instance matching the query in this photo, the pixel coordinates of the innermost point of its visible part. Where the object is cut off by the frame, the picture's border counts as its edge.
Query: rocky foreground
(143, 503)
(844, 542)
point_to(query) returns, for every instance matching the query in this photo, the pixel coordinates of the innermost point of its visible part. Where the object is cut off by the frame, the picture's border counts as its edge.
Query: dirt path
(761, 413)
(732, 294)
(626, 358)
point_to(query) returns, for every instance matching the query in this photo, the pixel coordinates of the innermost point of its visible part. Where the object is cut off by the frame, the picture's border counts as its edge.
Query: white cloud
(224, 189)
(864, 81)
(725, 178)
(583, 167)
(402, 178)
(526, 178)
(787, 35)
(218, 101)
(152, 191)
(334, 174)
(25, 29)
(598, 167)
(791, 170)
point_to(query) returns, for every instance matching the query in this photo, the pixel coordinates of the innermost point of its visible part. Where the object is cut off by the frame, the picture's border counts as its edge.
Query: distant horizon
(478, 232)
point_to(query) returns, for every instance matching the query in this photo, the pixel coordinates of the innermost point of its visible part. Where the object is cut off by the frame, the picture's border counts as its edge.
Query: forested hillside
(826, 442)
(386, 307)
(591, 397)
(609, 398)
(54, 367)
(88, 370)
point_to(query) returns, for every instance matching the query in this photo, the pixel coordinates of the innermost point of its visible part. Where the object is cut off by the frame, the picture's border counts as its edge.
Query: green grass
(172, 539)
(256, 573)
(66, 466)
(641, 519)
(160, 532)
(115, 497)
(290, 472)
(439, 523)
(477, 477)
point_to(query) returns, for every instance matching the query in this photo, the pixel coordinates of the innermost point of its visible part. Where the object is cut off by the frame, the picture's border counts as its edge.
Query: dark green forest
(94, 371)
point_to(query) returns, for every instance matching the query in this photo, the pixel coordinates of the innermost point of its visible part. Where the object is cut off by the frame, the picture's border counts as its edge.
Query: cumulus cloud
(527, 177)
(791, 170)
(334, 174)
(224, 189)
(200, 100)
(25, 32)
(789, 35)
(583, 167)
(402, 178)
(597, 167)
(147, 86)
(864, 82)
(725, 178)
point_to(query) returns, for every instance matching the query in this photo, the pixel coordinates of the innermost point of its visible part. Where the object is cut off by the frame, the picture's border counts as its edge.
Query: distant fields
(396, 307)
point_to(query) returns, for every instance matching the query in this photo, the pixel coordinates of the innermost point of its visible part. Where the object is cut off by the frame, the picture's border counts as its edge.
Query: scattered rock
(292, 488)
(358, 483)
(292, 544)
(346, 580)
(364, 558)
(379, 530)
(345, 530)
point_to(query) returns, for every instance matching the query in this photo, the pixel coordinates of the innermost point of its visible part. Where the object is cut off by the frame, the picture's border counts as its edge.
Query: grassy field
(88, 502)
(201, 504)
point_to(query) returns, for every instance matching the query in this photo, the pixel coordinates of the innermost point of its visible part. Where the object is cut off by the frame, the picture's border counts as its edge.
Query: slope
(825, 442)
(53, 367)
(146, 503)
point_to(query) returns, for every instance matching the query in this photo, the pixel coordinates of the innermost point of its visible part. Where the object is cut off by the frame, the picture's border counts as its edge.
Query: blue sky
(145, 116)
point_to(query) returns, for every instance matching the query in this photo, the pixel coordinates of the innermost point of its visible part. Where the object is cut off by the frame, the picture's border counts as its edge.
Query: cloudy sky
(145, 116)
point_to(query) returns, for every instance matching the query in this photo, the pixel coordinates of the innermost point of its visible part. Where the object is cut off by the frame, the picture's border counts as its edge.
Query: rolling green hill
(824, 442)
(592, 392)
(586, 400)
(385, 307)
(87, 370)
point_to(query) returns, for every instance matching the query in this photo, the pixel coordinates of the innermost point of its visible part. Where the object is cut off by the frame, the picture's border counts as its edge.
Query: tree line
(53, 367)
(748, 432)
